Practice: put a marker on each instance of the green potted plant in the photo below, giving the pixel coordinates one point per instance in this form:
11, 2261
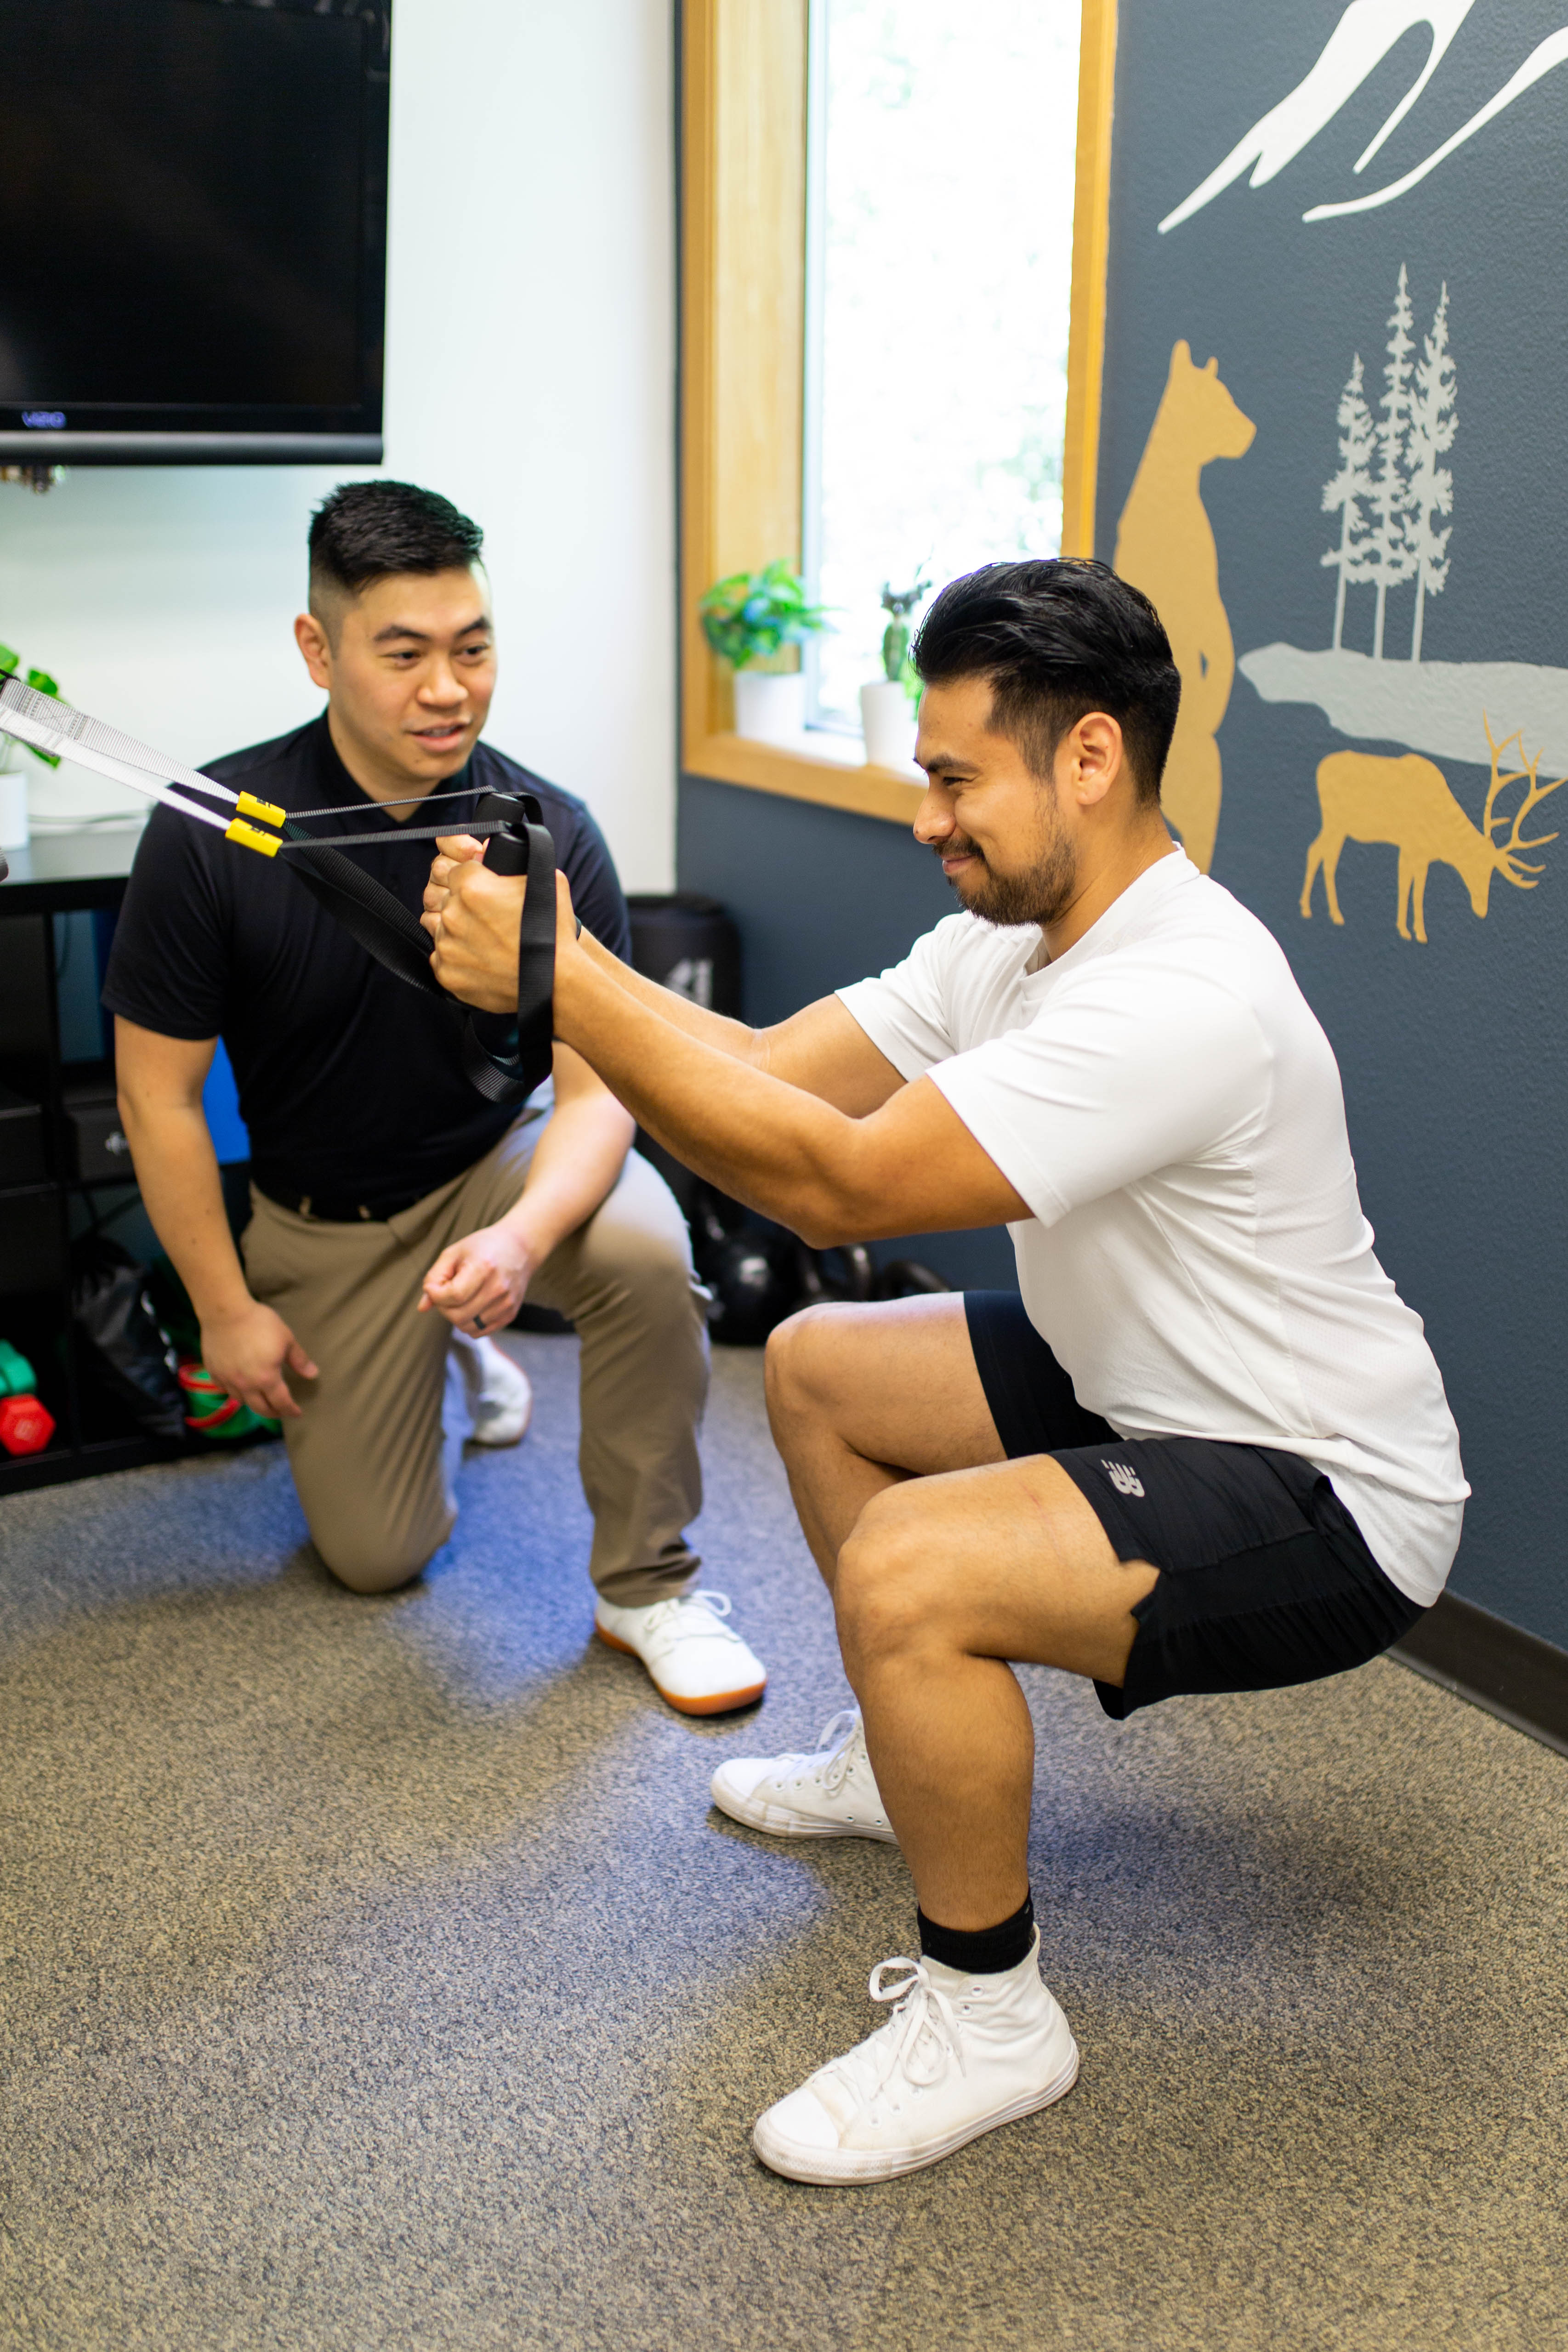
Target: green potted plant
747, 619
888, 703
13, 778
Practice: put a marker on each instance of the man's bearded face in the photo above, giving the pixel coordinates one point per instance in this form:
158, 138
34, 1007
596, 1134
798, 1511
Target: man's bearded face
1038, 892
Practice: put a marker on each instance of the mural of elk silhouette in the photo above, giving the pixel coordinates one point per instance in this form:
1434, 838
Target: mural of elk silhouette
1407, 802
1164, 545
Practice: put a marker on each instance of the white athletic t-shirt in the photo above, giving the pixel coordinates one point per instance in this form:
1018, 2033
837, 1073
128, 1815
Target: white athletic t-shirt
1196, 1260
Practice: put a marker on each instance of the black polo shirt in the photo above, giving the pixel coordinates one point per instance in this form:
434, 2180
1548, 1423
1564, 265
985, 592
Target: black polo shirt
349, 1079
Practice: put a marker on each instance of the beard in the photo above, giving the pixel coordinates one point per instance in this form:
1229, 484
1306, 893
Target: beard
1041, 894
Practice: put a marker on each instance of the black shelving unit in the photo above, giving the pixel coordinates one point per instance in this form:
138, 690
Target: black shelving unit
63, 874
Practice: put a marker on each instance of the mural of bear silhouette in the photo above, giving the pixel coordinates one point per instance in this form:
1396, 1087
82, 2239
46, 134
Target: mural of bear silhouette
1164, 545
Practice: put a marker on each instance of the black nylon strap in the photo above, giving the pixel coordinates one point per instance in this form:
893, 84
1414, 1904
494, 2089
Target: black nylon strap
382, 926
469, 825
536, 956
403, 799
524, 846
372, 917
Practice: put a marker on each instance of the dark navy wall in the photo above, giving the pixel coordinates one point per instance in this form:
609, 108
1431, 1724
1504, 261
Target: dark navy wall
822, 897
1451, 1052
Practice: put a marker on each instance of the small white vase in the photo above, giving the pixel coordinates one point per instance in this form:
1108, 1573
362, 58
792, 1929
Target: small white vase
889, 724
13, 809
770, 707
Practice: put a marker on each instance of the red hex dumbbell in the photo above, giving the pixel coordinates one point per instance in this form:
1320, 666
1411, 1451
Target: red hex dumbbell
25, 1425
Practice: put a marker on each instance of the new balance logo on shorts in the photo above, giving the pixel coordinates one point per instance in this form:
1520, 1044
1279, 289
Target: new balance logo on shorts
1124, 1477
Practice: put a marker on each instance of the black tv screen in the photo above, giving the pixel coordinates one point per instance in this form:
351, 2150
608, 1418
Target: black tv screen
193, 230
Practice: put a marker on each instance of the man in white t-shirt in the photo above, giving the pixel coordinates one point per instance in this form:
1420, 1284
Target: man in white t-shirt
1207, 1449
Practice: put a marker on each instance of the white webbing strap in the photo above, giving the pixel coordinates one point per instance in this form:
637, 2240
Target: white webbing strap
75, 735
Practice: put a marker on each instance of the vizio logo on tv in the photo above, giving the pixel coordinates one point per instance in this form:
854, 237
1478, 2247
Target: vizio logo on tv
46, 420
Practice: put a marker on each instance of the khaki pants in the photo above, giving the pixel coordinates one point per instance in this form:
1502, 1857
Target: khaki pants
366, 1450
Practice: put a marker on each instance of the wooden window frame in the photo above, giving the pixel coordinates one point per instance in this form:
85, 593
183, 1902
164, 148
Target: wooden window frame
743, 127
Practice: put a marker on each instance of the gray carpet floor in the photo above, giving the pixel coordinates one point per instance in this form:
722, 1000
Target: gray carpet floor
375, 1974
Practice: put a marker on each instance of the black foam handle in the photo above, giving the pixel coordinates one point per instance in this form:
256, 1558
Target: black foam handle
524, 846
505, 852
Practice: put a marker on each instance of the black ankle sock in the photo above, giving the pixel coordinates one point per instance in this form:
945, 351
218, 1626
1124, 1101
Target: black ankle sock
980, 1952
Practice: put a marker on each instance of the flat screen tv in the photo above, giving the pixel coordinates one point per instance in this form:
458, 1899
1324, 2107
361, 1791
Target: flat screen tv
193, 230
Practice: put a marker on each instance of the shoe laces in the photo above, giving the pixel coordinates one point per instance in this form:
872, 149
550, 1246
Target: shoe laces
916, 2044
698, 1616
843, 1742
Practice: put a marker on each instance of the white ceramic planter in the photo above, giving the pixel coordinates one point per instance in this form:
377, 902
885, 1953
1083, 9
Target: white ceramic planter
13, 809
770, 708
887, 721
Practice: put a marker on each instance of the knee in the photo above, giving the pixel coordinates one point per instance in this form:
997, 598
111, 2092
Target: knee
889, 1592
796, 1369
647, 1266
369, 1567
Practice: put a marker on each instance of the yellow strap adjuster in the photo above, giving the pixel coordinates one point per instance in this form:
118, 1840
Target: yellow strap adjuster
248, 838
249, 805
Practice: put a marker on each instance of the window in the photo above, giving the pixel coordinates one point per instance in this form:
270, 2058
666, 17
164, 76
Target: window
743, 318
941, 138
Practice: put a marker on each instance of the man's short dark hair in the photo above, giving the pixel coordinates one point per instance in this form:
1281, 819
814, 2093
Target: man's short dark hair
367, 530
1058, 637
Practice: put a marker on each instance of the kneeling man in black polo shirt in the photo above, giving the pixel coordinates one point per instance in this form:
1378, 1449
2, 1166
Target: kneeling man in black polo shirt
1206, 1449
399, 1218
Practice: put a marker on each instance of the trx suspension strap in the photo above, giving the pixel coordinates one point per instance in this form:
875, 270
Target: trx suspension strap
518, 843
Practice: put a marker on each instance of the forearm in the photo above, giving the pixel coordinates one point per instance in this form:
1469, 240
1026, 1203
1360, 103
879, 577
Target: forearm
769, 1144
177, 1171
714, 1029
473, 917
575, 1166
818, 1129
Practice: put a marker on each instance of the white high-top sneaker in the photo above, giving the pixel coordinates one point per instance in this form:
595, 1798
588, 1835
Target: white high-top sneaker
498, 1393
958, 2055
831, 1794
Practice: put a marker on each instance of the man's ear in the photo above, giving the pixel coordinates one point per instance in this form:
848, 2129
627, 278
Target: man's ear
316, 647
1096, 756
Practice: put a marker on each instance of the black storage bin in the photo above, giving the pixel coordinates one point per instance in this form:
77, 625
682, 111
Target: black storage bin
21, 1139
689, 944
97, 1145
31, 1256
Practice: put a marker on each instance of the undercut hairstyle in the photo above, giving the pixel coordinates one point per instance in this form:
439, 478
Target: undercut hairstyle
1057, 638
364, 531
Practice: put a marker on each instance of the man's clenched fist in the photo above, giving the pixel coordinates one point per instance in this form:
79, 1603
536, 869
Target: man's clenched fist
473, 916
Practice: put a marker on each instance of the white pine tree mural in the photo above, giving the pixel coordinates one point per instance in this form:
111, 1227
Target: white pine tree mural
1391, 554
1349, 494
1434, 420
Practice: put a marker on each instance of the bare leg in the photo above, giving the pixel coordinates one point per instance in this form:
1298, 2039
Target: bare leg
861, 1398
945, 1560
940, 1583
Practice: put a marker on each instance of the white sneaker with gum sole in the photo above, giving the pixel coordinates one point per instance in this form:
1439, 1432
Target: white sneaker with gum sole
696, 1662
958, 2055
498, 1393
830, 1794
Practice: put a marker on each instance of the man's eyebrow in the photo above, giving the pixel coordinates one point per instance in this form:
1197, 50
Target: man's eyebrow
947, 764
422, 636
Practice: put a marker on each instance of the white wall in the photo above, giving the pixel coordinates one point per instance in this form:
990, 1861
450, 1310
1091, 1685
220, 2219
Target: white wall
530, 377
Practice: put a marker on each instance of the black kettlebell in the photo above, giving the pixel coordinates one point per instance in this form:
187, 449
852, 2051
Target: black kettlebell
847, 1272
751, 1274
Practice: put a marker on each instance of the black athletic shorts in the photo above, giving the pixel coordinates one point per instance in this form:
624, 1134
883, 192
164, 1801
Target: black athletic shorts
1265, 1577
